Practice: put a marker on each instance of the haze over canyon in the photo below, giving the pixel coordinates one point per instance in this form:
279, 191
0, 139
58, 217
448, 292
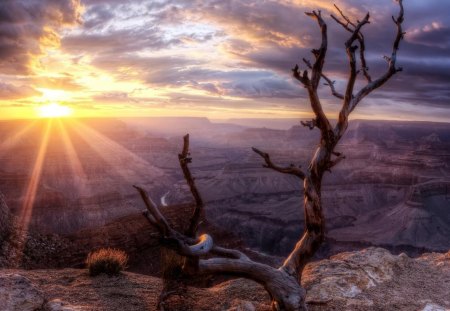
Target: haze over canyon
391, 190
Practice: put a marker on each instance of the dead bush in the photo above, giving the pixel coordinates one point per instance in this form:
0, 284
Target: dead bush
106, 260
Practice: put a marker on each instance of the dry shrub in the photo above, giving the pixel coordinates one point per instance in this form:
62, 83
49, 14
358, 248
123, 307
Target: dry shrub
106, 260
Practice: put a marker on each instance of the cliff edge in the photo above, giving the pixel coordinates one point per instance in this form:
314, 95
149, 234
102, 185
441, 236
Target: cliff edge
370, 279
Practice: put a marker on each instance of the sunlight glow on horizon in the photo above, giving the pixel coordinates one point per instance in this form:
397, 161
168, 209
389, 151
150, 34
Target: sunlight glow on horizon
54, 110
212, 63
114, 155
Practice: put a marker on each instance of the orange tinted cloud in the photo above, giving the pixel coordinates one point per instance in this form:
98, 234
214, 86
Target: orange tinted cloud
168, 57
30, 26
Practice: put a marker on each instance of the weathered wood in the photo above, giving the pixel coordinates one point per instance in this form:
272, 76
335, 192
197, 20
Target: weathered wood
184, 160
283, 284
353, 101
296, 171
285, 290
327, 81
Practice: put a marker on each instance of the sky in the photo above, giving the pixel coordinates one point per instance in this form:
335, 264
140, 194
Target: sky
212, 58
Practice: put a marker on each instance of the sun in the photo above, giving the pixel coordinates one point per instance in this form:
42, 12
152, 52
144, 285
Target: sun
54, 110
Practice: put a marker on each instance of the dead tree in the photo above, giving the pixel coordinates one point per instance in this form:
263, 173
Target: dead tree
284, 283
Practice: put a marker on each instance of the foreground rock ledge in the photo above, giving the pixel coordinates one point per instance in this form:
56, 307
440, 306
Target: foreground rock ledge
371, 279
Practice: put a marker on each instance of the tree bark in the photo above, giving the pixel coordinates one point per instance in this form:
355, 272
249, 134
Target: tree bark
284, 284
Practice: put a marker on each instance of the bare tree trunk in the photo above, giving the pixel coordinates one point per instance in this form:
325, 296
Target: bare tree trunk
175, 266
172, 276
284, 284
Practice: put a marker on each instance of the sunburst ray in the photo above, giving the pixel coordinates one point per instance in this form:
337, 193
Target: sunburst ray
14, 140
114, 154
31, 190
78, 173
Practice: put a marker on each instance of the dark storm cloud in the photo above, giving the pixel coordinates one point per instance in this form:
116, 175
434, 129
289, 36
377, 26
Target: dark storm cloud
26, 26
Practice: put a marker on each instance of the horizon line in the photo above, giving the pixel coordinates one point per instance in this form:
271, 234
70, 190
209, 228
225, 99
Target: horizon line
214, 119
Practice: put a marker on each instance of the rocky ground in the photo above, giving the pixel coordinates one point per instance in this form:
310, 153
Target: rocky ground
371, 279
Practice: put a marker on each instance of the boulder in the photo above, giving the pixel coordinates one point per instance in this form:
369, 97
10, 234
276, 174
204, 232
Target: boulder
346, 275
17, 293
438, 260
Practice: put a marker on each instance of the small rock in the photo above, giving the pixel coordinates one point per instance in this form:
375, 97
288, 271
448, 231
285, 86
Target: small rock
433, 307
58, 305
242, 305
17, 293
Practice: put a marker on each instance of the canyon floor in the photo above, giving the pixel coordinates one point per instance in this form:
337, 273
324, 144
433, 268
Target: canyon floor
392, 190
370, 279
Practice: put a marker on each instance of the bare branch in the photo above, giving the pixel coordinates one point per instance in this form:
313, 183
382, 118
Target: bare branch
392, 69
339, 158
203, 246
350, 49
150, 218
322, 121
328, 81
362, 49
360, 38
186, 246
346, 26
284, 288
349, 22
154, 215
320, 53
184, 160
349, 106
310, 124
232, 253
286, 170
303, 78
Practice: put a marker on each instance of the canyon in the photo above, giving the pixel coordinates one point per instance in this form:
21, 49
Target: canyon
392, 189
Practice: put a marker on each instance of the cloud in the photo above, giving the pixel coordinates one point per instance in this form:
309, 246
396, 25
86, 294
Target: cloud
11, 92
112, 97
263, 85
66, 82
28, 27
218, 50
269, 22
432, 35
97, 16
118, 42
